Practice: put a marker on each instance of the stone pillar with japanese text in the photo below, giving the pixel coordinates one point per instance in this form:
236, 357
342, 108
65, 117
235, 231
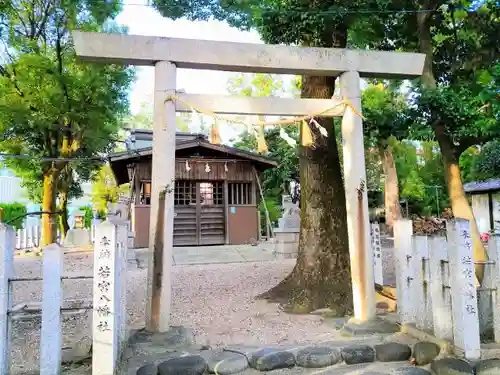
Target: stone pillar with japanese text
376, 243
463, 289
109, 295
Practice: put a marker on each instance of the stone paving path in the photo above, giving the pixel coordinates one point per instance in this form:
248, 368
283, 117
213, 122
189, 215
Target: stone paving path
192, 255
174, 353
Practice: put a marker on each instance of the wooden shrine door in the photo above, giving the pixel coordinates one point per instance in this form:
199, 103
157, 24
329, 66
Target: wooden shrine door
199, 213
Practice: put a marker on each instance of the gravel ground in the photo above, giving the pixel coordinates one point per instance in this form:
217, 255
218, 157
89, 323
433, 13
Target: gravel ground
221, 309
216, 300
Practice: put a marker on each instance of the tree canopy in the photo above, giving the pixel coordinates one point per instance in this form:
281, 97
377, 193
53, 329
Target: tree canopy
104, 190
53, 107
143, 119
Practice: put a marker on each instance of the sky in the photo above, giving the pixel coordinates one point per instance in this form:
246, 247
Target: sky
144, 20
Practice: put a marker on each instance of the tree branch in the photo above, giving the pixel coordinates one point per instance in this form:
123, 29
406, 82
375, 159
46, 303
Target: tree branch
31, 20
21, 21
467, 142
45, 17
64, 87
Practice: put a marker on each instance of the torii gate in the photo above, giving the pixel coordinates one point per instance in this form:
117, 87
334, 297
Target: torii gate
168, 54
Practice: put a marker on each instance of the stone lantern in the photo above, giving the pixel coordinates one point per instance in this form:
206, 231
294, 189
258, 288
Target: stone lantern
78, 220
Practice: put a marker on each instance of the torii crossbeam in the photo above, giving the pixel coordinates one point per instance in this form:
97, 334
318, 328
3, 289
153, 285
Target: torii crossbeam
167, 54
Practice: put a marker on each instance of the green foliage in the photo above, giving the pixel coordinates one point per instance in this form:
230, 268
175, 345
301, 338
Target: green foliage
274, 180
459, 94
467, 161
319, 23
484, 163
14, 214
421, 176
51, 104
89, 215
373, 172
31, 179
143, 119
456, 101
384, 110
260, 85
274, 209
104, 189
256, 85
459, 107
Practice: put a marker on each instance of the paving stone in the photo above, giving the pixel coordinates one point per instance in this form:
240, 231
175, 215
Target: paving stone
268, 359
392, 352
377, 325
246, 350
190, 365
488, 367
410, 371
451, 366
227, 363
149, 369
358, 354
425, 352
175, 337
317, 356
79, 351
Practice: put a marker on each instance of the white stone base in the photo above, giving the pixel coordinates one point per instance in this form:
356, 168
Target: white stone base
131, 256
286, 243
77, 238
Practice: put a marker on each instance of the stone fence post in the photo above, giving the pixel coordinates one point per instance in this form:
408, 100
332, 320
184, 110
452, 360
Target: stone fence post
7, 242
421, 282
403, 239
439, 288
494, 283
52, 298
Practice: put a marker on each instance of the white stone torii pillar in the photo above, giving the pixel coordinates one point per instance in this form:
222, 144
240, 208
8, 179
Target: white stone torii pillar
168, 53
358, 221
158, 301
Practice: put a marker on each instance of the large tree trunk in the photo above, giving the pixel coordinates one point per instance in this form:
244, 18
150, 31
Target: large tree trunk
322, 274
459, 203
63, 208
65, 181
49, 218
391, 186
321, 277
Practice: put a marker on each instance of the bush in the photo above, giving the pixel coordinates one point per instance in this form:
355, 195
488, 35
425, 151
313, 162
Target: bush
274, 209
14, 214
87, 219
